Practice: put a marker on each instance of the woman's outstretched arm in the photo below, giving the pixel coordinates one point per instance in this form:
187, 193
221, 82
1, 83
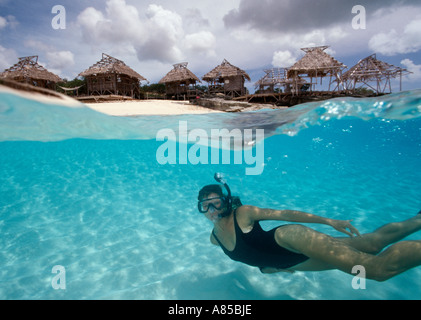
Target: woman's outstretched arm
257, 214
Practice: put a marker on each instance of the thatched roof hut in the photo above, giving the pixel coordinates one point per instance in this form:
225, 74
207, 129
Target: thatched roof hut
180, 82
180, 73
112, 76
27, 70
369, 70
228, 79
315, 64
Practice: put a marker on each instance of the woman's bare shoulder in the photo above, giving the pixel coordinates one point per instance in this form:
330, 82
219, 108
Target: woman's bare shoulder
246, 217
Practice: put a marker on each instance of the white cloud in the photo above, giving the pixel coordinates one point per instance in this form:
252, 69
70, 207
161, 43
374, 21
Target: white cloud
157, 34
8, 57
9, 21
163, 36
164, 20
118, 24
60, 59
394, 42
89, 19
283, 59
3, 22
37, 45
414, 68
203, 41
57, 61
194, 19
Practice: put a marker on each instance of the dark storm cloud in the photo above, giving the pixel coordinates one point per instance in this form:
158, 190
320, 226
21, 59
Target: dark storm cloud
299, 15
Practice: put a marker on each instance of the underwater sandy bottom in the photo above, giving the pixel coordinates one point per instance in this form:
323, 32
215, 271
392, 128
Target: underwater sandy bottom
125, 227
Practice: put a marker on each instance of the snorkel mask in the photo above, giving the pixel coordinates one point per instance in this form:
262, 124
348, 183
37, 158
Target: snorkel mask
217, 203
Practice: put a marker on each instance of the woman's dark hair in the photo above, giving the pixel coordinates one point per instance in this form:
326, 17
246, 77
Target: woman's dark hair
207, 190
236, 202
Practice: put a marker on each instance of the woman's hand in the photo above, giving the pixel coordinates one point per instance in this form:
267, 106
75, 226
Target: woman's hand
343, 225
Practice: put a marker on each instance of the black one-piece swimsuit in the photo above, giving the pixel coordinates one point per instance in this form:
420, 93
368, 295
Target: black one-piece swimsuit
258, 248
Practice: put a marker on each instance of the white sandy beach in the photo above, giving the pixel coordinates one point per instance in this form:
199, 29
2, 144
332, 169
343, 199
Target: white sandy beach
148, 107
118, 108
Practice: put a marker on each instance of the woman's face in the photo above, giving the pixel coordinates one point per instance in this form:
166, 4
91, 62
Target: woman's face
214, 205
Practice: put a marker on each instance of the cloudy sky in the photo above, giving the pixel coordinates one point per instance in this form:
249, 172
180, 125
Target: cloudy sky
150, 36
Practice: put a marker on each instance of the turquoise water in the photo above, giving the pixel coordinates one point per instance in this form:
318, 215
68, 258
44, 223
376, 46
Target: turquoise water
85, 191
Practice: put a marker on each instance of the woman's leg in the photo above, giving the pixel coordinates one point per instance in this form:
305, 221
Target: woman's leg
376, 241
326, 252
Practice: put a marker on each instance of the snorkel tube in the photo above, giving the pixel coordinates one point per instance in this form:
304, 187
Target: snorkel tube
218, 177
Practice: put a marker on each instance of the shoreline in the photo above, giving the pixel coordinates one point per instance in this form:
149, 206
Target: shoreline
113, 108
127, 108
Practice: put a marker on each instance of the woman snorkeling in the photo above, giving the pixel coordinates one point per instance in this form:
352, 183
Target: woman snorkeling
294, 247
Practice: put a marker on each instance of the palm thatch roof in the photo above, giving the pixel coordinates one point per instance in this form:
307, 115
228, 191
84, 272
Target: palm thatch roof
370, 68
181, 74
316, 63
111, 65
27, 69
225, 70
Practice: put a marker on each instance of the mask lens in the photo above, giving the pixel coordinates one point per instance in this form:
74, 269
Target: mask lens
216, 203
